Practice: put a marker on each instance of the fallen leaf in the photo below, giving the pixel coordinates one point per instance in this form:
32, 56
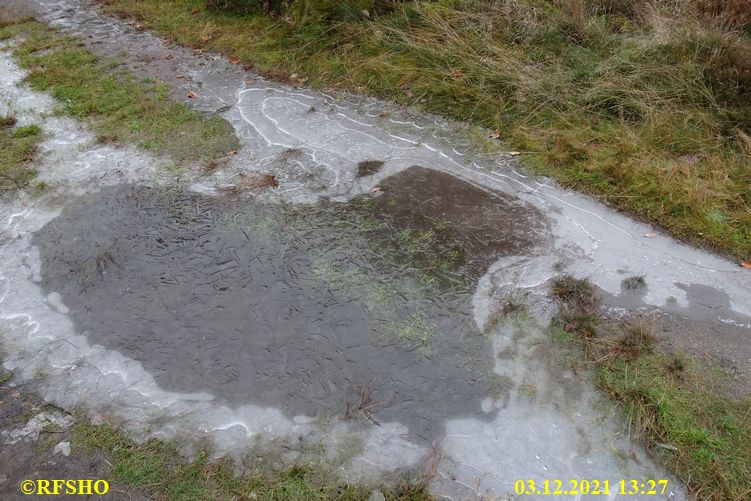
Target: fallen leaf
250, 82
191, 95
514, 153
195, 12
234, 60
375, 189
745, 265
329, 90
293, 76
456, 74
232, 152
496, 134
649, 235
206, 38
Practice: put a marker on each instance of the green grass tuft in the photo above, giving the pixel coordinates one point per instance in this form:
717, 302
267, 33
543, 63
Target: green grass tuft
18, 146
27, 131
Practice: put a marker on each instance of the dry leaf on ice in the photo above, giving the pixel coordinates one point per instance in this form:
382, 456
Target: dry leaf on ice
191, 95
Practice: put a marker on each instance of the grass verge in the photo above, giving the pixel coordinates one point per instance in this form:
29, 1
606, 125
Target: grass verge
676, 404
154, 468
645, 105
18, 146
120, 107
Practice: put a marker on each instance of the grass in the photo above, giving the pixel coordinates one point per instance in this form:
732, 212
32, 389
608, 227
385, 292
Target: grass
414, 331
18, 146
643, 104
120, 107
677, 405
154, 468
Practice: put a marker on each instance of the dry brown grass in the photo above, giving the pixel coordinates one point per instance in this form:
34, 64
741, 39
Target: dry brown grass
732, 14
251, 182
364, 404
14, 11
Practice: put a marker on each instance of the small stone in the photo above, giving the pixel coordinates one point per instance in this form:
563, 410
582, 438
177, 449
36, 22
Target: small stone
62, 448
377, 496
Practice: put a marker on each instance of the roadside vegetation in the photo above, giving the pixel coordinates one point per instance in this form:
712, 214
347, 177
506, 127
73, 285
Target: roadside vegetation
18, 145
154, 468
119, 107
678, 406
645, 104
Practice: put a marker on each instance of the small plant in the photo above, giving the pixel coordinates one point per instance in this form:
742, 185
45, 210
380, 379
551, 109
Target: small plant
579, 312
635, 282
7, 122
26, 131
511, 304
573, 291
364, 404
368, 167
636, 339
18, 146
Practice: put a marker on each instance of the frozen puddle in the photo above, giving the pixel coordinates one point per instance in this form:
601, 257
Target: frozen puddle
322, 320
285, 328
